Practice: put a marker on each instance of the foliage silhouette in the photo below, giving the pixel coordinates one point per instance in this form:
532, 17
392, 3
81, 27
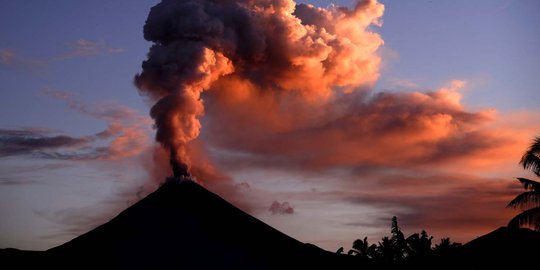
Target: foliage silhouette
385, 250
398, 241
528, 201
445, 246
398, 249
363, 249
419, 244
531, 159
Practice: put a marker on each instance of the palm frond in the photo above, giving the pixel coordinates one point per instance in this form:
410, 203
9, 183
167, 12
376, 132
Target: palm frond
529, 184
529, 217
360, 245
525, 200
531, 158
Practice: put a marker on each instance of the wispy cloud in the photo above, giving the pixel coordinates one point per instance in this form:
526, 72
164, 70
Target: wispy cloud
126, 135
84, 47
12, 181
14, 60
107, 111
15, 142
401, 84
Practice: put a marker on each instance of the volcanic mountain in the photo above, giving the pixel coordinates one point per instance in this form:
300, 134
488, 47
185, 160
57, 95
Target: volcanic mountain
182, 226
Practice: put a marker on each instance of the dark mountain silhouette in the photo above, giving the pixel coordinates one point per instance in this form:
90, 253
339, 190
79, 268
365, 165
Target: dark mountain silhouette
181, 226
504, 248
513, 248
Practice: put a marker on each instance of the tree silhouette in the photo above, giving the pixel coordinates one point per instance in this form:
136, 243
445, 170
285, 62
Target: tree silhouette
531, 158
398, 241
419, 244
445, 245
415, 250
528, 201
385, 250
363, 249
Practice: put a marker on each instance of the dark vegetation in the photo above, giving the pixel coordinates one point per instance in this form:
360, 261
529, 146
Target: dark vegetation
397, 250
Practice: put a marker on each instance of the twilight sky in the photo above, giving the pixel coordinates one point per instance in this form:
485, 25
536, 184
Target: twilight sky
424, 116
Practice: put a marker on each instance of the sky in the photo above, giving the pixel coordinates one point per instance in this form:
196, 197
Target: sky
422, 113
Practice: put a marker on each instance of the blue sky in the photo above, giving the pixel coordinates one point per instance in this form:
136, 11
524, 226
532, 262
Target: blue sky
493, 44
92, 50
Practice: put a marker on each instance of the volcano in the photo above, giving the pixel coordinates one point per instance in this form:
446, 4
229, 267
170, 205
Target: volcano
181, 226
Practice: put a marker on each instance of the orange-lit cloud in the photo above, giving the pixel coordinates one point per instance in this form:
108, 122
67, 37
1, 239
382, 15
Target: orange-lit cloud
423, 156
126, 134
386, 128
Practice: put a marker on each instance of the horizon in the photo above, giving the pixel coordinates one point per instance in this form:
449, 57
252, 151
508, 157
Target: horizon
430, 127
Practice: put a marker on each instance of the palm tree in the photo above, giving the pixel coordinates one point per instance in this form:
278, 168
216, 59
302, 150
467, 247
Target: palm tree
419, 244
528, 201
531, 158
386, 250
446, 245
363, 249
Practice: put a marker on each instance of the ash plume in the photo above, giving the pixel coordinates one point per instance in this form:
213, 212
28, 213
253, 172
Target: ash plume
251, 47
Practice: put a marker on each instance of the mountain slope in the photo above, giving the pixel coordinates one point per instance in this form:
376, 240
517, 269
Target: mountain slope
504, 247
184, 226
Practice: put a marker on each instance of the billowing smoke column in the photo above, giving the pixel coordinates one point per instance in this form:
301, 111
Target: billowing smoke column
272, 46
